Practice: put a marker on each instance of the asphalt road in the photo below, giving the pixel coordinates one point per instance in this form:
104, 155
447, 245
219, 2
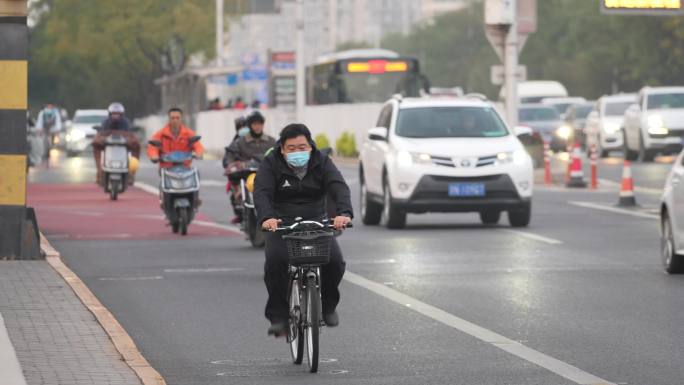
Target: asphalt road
577, 297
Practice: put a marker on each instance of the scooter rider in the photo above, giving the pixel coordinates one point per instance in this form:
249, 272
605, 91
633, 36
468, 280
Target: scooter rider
116, 123
294, 181
174, 137
251, 145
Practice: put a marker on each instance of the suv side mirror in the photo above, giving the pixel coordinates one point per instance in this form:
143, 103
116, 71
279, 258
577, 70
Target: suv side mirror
378, 133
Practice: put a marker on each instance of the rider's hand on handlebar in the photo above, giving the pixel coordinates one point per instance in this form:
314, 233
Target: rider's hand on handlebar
340, 222
271, 224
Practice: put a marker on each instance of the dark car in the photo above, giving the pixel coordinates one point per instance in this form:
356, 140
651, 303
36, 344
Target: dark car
546, 121
576, 117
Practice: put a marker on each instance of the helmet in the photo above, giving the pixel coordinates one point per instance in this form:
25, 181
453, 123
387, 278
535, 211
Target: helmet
240, 122
116, 108
133, 164
255, 117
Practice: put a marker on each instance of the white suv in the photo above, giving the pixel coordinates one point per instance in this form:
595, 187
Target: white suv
443, 155
672, 219
655, 124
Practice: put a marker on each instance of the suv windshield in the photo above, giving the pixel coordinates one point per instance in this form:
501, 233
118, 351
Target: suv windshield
581, 112
538, 114
450, 122
617, 108
89, 119
665, 101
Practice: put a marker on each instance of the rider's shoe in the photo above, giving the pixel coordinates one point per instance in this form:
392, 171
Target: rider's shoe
331, 319
278, 329
235, 220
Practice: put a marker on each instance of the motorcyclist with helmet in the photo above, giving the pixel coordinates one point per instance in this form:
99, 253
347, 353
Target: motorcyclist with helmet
253, 145
116, 123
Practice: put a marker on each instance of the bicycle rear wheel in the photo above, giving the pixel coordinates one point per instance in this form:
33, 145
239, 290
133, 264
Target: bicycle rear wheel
313, 323
295, 336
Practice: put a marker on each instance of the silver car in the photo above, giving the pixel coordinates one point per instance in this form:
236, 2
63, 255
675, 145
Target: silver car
672, 219
80, 132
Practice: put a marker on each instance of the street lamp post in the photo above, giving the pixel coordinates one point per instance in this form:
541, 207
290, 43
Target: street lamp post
219, 33
300, 69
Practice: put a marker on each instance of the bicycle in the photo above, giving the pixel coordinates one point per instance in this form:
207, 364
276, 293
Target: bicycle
308, 248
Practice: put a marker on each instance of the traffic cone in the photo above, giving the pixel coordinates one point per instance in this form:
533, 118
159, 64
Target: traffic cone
627, 198
548, 180
576, 172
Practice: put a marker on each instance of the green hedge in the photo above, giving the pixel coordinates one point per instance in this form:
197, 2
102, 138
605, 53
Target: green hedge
346, 145
322, 141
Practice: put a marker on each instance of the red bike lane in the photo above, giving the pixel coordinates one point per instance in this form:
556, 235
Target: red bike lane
83, 211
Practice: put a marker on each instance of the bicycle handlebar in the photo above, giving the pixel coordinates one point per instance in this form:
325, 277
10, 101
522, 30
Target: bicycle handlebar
297, 224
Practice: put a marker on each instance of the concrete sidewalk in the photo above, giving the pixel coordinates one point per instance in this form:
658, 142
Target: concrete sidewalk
57, 340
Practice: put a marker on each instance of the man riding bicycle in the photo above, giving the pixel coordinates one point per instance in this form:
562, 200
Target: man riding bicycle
293, 182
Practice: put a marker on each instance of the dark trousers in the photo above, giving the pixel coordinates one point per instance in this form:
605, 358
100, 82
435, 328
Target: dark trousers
276, 278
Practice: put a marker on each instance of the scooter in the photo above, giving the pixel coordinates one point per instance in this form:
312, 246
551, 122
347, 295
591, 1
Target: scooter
115, 166
179, 188
245, 172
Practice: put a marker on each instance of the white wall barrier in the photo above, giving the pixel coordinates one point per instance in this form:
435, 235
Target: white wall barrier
217, 128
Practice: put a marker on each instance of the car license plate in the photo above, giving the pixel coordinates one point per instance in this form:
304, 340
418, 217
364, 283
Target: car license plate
467, 190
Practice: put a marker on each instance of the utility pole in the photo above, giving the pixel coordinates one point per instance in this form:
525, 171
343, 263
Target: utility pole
300, 68
219, 33
511, 70
18, 231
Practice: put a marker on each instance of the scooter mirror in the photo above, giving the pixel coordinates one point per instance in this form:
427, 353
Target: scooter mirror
97, 128
155, 143
194, 139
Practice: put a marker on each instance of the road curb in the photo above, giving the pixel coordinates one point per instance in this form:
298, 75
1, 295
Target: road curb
122, 341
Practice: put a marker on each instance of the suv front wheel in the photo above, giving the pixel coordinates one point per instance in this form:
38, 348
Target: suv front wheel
392, 216
520, 217
371, 212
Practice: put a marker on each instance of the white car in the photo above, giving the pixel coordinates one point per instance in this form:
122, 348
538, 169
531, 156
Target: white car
444, 155
655, 123
80, 133
562, 104
672, 219
533, 91
604, 124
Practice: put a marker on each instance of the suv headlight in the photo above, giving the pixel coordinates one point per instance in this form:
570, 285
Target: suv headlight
564, 132
611, 128
405, 158
656, 125
517, 157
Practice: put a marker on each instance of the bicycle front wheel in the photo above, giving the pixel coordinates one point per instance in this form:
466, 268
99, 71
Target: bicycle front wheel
295, 336
313, 323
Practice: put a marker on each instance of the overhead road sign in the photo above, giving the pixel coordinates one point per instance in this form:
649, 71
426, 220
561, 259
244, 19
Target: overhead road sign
642, 7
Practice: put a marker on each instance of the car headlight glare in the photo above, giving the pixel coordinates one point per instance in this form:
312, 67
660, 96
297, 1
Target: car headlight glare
611, 128
76, 135
656, 125
564, 132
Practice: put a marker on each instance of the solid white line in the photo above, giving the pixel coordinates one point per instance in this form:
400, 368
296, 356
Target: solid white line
232, 229
148, 188
204, 270
534, 237
10, 370
515, 348
616, 210
152, 278
155, 191
213, 183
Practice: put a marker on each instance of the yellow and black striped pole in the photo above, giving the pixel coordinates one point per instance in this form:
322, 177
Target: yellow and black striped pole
13, 104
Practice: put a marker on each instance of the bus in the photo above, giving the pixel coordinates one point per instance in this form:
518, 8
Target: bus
363, 76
